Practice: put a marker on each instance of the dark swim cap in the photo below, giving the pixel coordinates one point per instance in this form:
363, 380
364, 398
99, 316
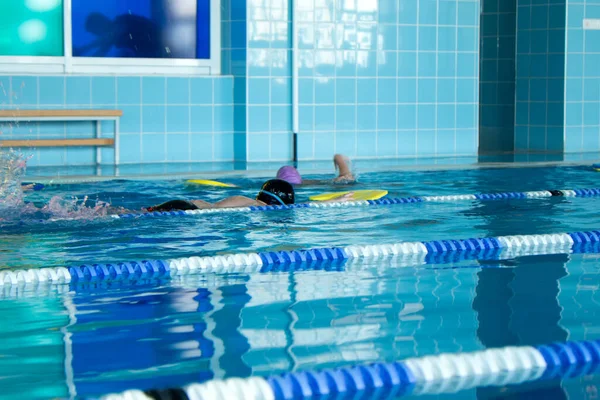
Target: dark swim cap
276, 192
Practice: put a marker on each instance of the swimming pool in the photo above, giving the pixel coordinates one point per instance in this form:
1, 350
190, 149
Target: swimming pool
98, 338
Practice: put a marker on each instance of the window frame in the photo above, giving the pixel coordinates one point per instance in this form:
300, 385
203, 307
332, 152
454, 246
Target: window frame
68, 64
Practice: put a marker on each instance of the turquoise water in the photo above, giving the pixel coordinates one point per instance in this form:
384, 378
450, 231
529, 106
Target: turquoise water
89, 340
212, 326
109, 240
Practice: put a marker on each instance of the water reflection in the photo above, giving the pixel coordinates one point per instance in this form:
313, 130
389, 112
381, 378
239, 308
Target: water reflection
519, 306
30, 336
195, 328
147, 338
332, 318
227, 324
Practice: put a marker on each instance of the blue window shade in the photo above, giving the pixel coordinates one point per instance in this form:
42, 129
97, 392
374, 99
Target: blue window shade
203, 30
141, 28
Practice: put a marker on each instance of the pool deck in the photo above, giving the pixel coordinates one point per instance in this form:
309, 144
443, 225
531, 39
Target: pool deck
162, 171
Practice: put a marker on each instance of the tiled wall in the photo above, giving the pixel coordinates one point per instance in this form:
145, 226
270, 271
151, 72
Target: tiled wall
497, 76
540, 75
257, 52
165, 119
233, 57
388, 78
269, 80
380, 78
582, 89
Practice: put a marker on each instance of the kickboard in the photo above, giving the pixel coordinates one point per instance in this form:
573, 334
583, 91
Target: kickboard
358, 195
207, 182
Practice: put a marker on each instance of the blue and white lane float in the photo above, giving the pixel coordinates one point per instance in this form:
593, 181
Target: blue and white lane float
445, 373
317, 258
381, 202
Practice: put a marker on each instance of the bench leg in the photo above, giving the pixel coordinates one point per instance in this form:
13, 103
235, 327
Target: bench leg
117, 155
98, 136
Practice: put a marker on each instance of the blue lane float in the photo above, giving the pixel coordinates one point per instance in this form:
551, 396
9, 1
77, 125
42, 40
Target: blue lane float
386, 201
415, 253
445, 373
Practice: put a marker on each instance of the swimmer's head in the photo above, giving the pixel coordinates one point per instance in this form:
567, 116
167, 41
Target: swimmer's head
98, 24
289, 174
276, 192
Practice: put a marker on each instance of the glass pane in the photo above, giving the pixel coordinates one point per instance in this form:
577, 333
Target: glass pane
203, 29
141, 28
31, 28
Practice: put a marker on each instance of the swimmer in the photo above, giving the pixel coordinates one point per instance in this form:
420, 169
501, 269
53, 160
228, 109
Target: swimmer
341, 162
273, 192
31, 186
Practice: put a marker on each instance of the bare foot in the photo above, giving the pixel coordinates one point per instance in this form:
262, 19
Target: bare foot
342, 163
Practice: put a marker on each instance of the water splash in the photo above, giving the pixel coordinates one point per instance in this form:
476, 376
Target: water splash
73, 208
15, 210
12, 169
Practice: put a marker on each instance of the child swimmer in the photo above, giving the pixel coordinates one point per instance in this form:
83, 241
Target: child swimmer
341, 162
272, 193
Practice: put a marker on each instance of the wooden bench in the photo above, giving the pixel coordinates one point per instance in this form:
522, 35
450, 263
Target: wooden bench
66, 115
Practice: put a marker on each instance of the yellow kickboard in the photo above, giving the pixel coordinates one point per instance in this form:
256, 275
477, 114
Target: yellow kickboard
356, 195
207, 182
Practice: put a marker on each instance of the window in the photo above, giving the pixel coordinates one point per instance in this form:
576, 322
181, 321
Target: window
110, 36
141, 29
31, 28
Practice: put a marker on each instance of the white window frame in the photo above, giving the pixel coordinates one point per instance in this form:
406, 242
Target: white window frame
117, 66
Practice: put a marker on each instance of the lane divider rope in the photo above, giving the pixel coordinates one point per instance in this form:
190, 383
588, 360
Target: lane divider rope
435, 251
381, 202
445, 373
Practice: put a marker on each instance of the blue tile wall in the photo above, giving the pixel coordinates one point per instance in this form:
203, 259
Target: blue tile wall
385, 78
497, 76
268, 81
165, 119
388, 78
582, 75
233, 60
540, 77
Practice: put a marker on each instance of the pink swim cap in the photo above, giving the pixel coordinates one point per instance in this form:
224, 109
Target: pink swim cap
289, 174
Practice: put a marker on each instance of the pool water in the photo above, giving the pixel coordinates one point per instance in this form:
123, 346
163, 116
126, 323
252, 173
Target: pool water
202, 327
35, 240
87, 340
